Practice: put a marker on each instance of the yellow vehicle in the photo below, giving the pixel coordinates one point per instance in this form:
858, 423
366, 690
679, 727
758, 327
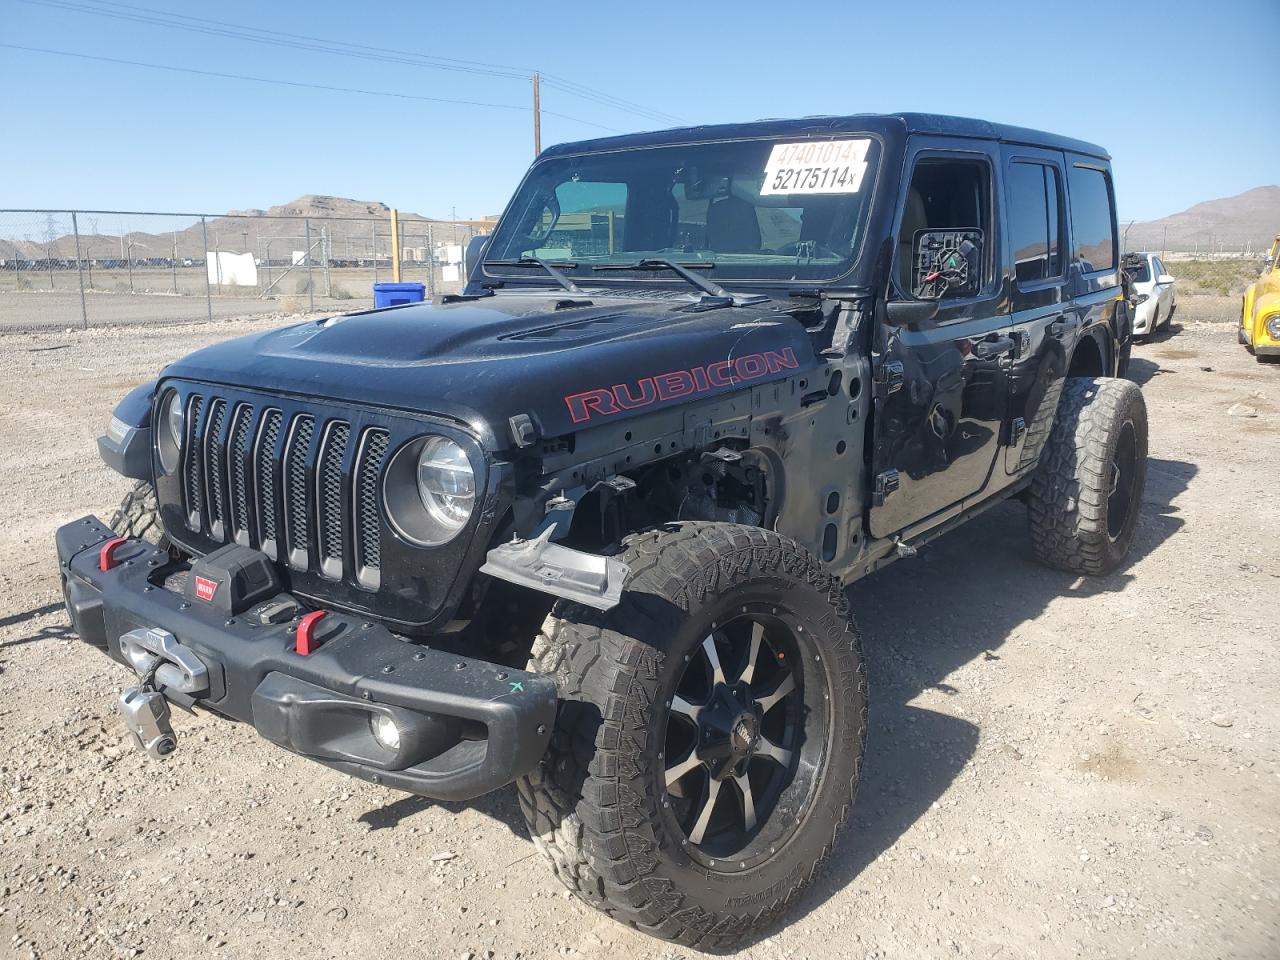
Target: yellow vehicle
1260, 313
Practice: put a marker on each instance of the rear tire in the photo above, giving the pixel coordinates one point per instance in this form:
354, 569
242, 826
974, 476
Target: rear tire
637, 805
1086, 493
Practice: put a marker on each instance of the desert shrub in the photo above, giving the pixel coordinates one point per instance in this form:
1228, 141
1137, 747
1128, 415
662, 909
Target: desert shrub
1218, 277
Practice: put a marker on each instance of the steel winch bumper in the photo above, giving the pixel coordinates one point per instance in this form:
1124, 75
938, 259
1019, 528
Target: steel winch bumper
461, 726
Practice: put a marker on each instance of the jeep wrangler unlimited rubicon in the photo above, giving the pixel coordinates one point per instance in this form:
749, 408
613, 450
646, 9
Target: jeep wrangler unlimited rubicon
585, 526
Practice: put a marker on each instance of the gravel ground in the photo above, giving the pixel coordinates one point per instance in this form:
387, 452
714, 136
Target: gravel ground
1057, 767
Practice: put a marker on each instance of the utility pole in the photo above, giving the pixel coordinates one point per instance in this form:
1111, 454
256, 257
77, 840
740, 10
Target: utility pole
537, 116
93, 229
75, 228
50, 243
395, 245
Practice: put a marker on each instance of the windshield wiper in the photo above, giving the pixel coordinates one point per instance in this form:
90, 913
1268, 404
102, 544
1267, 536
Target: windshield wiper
685, 272
681, 269
551, 266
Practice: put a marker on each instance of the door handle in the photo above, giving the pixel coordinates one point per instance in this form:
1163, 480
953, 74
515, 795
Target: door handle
994, 347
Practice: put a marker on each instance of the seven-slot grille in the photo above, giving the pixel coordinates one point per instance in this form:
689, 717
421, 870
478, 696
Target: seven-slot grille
302, 488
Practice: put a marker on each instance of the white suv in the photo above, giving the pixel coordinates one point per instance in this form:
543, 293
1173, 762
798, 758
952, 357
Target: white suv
1151, 293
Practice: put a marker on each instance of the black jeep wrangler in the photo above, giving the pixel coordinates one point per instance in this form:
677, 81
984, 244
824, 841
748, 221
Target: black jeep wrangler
586, 525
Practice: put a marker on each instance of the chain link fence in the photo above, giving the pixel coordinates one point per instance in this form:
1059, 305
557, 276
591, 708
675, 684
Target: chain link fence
1202, 245
83, 268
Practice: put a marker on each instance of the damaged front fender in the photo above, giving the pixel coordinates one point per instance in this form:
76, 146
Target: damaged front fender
550, 568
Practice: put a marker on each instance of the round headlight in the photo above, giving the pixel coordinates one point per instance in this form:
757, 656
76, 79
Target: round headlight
169, 431
173, 418
1273, 327
446, 484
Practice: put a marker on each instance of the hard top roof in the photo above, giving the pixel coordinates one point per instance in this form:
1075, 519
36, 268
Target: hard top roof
927, 123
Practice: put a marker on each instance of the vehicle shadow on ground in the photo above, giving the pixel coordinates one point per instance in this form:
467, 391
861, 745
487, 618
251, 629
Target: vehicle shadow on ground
501, 805
60, 630
1142, 371
1165, 333
921, 620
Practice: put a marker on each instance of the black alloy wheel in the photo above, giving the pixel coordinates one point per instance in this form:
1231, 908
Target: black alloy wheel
740, 735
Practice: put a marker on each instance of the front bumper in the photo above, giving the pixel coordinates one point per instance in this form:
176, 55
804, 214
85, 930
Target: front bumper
1267, 349
466, 726
1143, 315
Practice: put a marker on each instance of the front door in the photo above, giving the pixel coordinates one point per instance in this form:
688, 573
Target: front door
940, 385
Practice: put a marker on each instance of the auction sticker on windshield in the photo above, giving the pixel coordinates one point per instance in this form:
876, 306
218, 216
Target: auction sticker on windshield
816, 166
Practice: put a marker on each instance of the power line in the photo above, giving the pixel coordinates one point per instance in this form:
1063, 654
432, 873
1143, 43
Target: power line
298, 83
162, 18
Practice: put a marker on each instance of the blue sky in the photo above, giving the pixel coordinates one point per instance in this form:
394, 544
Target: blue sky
1170, 89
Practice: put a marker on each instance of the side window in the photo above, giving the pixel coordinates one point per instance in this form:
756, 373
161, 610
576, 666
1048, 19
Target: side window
1091, 221
1034, 221
586, 218
942, 243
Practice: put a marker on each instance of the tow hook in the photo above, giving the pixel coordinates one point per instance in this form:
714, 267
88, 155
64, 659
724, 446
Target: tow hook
146, 714
162, 663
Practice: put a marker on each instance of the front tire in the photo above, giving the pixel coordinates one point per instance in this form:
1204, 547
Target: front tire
710, 734
138, 516
1086, 493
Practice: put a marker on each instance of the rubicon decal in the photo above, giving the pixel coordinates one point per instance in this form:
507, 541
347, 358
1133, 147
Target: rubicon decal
678, 383
205, 589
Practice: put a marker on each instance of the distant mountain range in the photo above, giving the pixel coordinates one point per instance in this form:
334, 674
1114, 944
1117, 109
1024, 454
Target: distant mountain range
1247, 220
274, 231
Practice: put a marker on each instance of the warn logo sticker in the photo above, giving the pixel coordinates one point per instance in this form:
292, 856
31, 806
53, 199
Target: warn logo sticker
205, 589
678, 383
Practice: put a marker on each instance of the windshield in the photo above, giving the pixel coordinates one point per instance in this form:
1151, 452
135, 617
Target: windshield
772, 210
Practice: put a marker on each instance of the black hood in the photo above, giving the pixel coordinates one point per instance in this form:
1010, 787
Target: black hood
484, 361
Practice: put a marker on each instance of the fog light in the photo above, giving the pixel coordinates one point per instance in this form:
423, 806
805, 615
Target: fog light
385, 731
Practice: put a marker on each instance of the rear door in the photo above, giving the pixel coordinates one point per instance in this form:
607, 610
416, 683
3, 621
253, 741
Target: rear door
1092, 269
940, 386
1041, 322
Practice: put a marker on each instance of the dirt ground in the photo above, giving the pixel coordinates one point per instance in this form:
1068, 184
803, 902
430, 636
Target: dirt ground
1057, 767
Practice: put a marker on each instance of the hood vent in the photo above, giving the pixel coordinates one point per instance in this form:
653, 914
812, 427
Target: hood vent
577, 329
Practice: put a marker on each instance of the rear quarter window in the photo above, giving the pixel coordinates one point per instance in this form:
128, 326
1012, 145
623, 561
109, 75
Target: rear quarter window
1092, 223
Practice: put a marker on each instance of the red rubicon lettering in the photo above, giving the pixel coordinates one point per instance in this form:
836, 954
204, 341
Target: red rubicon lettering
786, 360
720, 373
622, 394
582, 404
678, 383
750, 366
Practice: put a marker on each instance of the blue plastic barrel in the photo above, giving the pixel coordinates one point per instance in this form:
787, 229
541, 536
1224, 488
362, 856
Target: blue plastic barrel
394, 294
